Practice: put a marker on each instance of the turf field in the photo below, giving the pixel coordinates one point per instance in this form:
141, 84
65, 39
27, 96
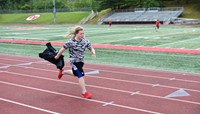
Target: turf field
185, 37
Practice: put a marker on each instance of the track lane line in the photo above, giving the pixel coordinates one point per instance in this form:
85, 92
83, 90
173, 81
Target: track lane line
120, 80
123, 73
29, 106
164, 71
112, 89
76, 97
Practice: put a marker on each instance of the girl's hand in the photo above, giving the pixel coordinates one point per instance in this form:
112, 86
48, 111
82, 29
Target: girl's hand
56, 57
94, 55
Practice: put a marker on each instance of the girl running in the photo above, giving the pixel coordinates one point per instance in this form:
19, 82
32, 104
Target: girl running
77, 45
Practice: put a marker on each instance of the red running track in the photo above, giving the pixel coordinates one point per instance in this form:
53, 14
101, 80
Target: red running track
30, 85
108, 46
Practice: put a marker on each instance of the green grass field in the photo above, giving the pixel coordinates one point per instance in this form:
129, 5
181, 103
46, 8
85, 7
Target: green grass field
168, 36
187, 37
45, 18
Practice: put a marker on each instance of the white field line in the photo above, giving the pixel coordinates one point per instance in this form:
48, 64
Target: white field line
100, 87
29, 106
23, 38
166, 44
76, 97
51, 32
33, 31
33, 37
153, 36
158, 54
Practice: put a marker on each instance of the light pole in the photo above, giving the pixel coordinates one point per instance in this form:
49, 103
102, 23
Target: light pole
54, 11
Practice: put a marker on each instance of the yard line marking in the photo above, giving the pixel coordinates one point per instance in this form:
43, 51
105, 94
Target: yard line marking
76, 97
112, 89
177, 42
29, 106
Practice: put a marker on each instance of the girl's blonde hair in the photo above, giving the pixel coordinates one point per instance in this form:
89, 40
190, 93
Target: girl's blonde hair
73, 31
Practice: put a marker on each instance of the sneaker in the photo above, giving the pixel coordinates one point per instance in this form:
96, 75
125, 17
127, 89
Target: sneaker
60, 74
87, 95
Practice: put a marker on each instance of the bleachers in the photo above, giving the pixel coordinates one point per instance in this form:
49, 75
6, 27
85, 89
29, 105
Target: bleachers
142, 15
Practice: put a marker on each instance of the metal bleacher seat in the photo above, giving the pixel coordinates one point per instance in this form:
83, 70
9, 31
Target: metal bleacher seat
144, 15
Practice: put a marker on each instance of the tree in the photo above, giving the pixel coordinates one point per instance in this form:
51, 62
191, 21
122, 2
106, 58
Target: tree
152, 3
187, 1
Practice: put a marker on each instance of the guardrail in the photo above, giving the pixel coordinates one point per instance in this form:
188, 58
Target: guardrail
91, 16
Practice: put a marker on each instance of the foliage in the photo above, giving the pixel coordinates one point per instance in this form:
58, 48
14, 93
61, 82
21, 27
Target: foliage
74, 4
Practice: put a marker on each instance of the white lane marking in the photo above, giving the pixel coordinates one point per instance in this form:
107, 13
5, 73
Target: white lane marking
29, 106
39, 61
45, 63
112, 89
21, 64
4, 67
134, 93
29, 63
155, 85
120, 80
92, 72
108, 103
172, 79
150, 76
143, 75
72, 96
179, 93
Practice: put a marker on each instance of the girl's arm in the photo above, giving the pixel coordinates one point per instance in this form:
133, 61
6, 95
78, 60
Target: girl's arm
59, 53
93, 52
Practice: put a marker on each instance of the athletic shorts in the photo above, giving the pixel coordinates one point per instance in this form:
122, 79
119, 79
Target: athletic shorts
77, 69
157, 26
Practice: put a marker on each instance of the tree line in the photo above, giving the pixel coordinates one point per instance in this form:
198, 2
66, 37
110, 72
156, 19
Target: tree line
72, 4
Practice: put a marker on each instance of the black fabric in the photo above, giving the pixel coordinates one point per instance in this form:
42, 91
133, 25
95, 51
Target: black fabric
49, 53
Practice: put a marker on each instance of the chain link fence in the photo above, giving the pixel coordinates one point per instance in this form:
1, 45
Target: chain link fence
7, 11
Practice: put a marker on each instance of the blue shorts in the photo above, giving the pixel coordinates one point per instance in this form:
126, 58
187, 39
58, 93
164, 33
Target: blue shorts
77, 69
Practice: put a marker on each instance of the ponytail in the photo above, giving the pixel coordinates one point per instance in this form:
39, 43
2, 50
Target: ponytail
73, 31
